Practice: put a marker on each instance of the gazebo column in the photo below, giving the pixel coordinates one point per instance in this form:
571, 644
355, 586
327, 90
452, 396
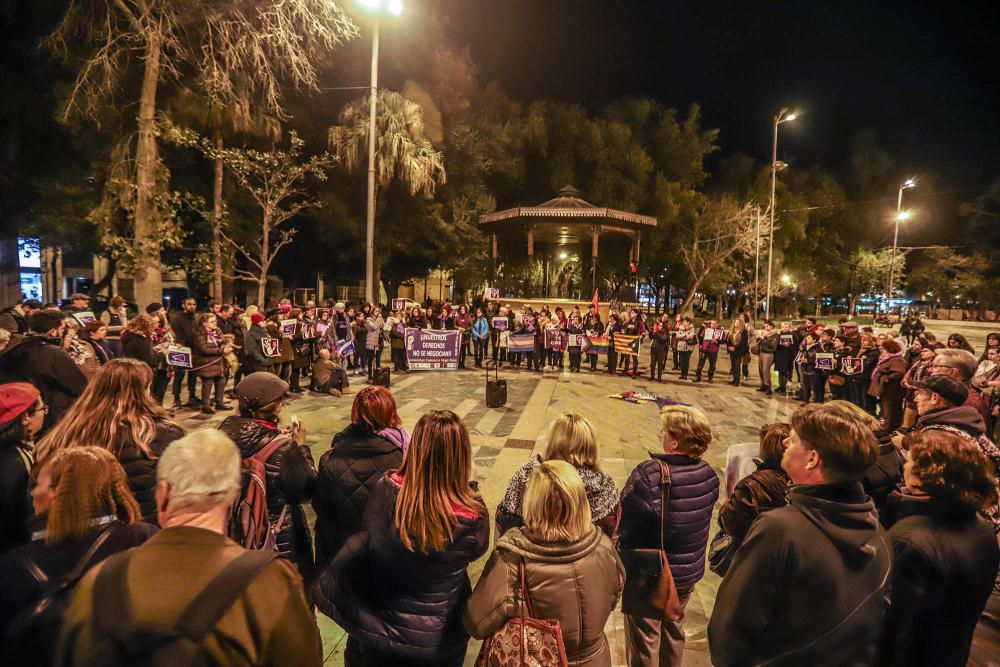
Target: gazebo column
495, 253
531, 259
593, 261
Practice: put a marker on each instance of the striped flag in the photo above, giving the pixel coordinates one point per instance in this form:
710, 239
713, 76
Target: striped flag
522, 342
598, 345
628, 345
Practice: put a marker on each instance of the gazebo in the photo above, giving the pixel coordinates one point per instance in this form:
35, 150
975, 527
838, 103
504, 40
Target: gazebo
567, 220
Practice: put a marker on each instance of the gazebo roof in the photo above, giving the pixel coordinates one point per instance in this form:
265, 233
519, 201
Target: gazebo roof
567, 209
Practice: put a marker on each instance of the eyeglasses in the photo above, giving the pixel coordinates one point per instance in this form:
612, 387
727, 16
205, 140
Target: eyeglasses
43, 408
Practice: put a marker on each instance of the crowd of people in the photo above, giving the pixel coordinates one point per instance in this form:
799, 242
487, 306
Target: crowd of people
124, 539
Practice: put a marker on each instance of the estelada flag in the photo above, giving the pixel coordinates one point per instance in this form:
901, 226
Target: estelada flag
628, 345
597, 345
522, 342
595, 301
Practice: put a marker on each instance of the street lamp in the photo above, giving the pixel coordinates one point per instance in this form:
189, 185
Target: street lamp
783, 116
901, 216
378, 8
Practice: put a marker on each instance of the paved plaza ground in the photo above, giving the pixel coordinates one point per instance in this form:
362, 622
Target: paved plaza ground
503, 438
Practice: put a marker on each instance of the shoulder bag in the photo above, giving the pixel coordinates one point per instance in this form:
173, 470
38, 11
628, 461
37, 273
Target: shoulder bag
524, 641
650, 591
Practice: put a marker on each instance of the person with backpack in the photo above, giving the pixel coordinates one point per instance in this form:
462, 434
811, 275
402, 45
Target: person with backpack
286, 464
190, 595
85, 514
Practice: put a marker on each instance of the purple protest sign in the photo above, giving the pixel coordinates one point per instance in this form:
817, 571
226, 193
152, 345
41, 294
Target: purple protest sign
428, 349
555, 339
179, 356
500, 323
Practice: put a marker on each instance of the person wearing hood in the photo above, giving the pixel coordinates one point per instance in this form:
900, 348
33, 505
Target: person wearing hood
40, 359
809, 584
15, 318
571, 572
291, 472
945, 555
371, 445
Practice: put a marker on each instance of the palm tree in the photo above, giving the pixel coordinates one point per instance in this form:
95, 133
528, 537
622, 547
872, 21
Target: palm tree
402, 150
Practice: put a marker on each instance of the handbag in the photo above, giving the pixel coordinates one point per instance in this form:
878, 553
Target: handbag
720, 552
650, 591
524, 641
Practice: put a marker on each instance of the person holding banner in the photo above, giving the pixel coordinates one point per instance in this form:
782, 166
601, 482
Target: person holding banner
576, 335
463, 322
807, 367
685, 340
710, 340
207, 362
256, 356
500, 327
480, 336
737, 345
396, 326
767, 345
658, 348
784, 355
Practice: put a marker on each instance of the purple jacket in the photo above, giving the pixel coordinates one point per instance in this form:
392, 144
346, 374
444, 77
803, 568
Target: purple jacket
694, 489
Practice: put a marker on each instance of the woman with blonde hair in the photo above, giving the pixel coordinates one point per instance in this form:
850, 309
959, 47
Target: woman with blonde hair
572, 573
399, 588
572, 439
86, 513
116, 412
681, 527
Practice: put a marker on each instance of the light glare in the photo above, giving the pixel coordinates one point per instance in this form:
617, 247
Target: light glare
903, 216
791, 116
370, 4
395, 7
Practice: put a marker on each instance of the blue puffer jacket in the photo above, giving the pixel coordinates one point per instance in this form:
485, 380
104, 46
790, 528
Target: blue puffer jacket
694, 488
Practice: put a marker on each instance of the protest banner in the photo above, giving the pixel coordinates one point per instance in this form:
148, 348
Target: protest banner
824, 361
428, 349
491, 293
321, 328
522, 342
84, 318
398, 304
576, 340
287, 328
500, 323
713, 334
555, 339
179, 356
852, 365
346, 348
271, 347
786, 340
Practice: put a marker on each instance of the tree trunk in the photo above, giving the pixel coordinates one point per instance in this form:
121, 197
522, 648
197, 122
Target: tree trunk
148, 278
10, 269
217, 221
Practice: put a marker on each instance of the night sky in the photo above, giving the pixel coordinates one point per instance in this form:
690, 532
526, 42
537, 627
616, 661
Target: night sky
925, 77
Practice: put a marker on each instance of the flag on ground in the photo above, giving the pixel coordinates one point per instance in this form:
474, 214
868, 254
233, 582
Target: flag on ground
598, 345
522, 342
628, 345
346, 348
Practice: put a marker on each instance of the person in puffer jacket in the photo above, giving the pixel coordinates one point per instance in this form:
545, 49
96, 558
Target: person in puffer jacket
693, 489
291, 472
372, 445
400, 587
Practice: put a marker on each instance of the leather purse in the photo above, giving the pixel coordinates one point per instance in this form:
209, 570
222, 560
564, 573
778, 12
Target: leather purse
650, 591
524, 641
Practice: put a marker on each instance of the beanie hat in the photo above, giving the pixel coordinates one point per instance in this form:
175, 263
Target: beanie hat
15, 399
256, 318
285, 307
259, 389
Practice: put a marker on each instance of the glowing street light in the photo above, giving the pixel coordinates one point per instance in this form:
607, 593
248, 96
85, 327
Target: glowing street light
783, 116
901, 216
378, 8
563, 255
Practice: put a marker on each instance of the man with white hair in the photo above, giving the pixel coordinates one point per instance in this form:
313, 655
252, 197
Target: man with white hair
190, 590
961, 365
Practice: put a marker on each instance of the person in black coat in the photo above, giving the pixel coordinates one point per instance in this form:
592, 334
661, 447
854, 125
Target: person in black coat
291, 472
945, 555
81, 497
659, 345
39, 358
359, 456
137, 342
399, 588
21, 415
693, 488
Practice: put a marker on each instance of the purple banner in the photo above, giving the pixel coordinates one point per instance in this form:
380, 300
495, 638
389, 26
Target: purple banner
555, 340
429, 349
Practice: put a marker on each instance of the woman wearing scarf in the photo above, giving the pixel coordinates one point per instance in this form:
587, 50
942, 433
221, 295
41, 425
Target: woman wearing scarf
887, 386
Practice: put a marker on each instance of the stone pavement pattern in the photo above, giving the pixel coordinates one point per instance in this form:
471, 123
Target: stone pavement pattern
503, 439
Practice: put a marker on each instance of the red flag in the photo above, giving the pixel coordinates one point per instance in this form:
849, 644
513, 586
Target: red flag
595, 301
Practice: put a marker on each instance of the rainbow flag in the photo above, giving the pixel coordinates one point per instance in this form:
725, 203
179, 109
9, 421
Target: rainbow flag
598, 345
522, 342
628, 345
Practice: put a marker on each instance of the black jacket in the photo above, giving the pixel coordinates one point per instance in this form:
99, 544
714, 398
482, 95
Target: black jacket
15, 499
183, 325
694, 488
139, 347
19, 589
809, 585
348, 472
41, 361
762, 490
141, 470
945, 559
403, 602
885, 476
291, 478
13, 321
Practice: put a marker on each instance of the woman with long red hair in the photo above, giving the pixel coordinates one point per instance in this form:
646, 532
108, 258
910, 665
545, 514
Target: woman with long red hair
399, 588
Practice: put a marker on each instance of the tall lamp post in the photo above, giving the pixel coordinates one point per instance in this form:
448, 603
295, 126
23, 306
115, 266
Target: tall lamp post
783, 116
901, 216
378, 8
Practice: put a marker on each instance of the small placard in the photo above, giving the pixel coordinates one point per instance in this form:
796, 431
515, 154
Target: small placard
491, 293
288, 328
500, 323
179, 356
398, 304
852, 365
786, 340
321, 328
824, 361
84, 317
271, 347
